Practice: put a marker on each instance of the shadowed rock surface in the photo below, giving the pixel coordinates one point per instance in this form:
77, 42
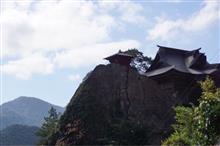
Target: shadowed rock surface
116, 105
111, 98
132, 103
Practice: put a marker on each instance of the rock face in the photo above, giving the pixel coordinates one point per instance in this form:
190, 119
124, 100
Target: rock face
117, 105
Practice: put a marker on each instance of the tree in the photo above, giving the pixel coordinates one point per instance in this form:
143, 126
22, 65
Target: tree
49, 127
140, 62
198, 125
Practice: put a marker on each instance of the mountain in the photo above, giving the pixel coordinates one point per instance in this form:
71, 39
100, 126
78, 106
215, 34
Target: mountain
26, 111
19, 135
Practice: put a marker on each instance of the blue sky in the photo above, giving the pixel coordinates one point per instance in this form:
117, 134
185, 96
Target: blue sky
49, 46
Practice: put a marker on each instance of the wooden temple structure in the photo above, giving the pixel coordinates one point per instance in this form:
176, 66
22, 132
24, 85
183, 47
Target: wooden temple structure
177, 71
120, 58
171, 62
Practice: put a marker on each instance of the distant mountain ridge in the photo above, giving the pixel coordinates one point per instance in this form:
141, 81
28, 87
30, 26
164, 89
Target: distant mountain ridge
25, 110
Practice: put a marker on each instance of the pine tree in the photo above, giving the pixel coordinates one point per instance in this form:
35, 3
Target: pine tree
140, 62
49, 127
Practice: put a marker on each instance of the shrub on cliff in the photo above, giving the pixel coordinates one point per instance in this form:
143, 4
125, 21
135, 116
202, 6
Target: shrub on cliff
198, 125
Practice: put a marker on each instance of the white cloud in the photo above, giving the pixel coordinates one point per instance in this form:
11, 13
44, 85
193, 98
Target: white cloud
205, 17
131, 13
166, 29
47, 26
86, 56
58, 25
40, 64
128, 11
73, 34
74, 77
24, 68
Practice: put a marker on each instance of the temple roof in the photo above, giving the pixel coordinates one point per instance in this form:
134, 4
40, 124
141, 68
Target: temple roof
119, 54
191, 62
120, 58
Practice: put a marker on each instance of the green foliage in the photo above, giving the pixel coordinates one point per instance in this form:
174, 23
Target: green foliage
133, 52
126, 132
177, 139
49, 127
136, 53
140, 62
198, 125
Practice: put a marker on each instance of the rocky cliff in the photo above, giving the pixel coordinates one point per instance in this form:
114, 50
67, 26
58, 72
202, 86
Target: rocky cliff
117, 105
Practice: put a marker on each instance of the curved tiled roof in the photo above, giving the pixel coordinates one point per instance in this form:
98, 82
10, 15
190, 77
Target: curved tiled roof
190, 62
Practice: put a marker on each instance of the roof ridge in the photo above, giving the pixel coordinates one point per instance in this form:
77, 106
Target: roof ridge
120, 53
177, 49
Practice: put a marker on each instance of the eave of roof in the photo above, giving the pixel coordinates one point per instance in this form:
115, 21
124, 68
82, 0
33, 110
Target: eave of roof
119, 54
207, 69
159, 71
190, 71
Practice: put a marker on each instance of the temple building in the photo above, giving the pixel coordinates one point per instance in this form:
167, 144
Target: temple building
120, 58
173, 64
176, 61
178, 72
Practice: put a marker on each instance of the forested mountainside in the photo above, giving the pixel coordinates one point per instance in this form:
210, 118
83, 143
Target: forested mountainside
19, 135
26, 111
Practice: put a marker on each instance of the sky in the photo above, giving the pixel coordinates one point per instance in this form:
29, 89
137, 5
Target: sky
48, 46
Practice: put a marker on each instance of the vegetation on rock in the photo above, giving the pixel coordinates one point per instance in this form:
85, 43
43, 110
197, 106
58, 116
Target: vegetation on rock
140, 62
127, 132
198, 125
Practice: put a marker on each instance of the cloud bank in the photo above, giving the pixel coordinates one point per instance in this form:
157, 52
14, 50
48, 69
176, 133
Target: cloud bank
166, 29
47, 35
42, 37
